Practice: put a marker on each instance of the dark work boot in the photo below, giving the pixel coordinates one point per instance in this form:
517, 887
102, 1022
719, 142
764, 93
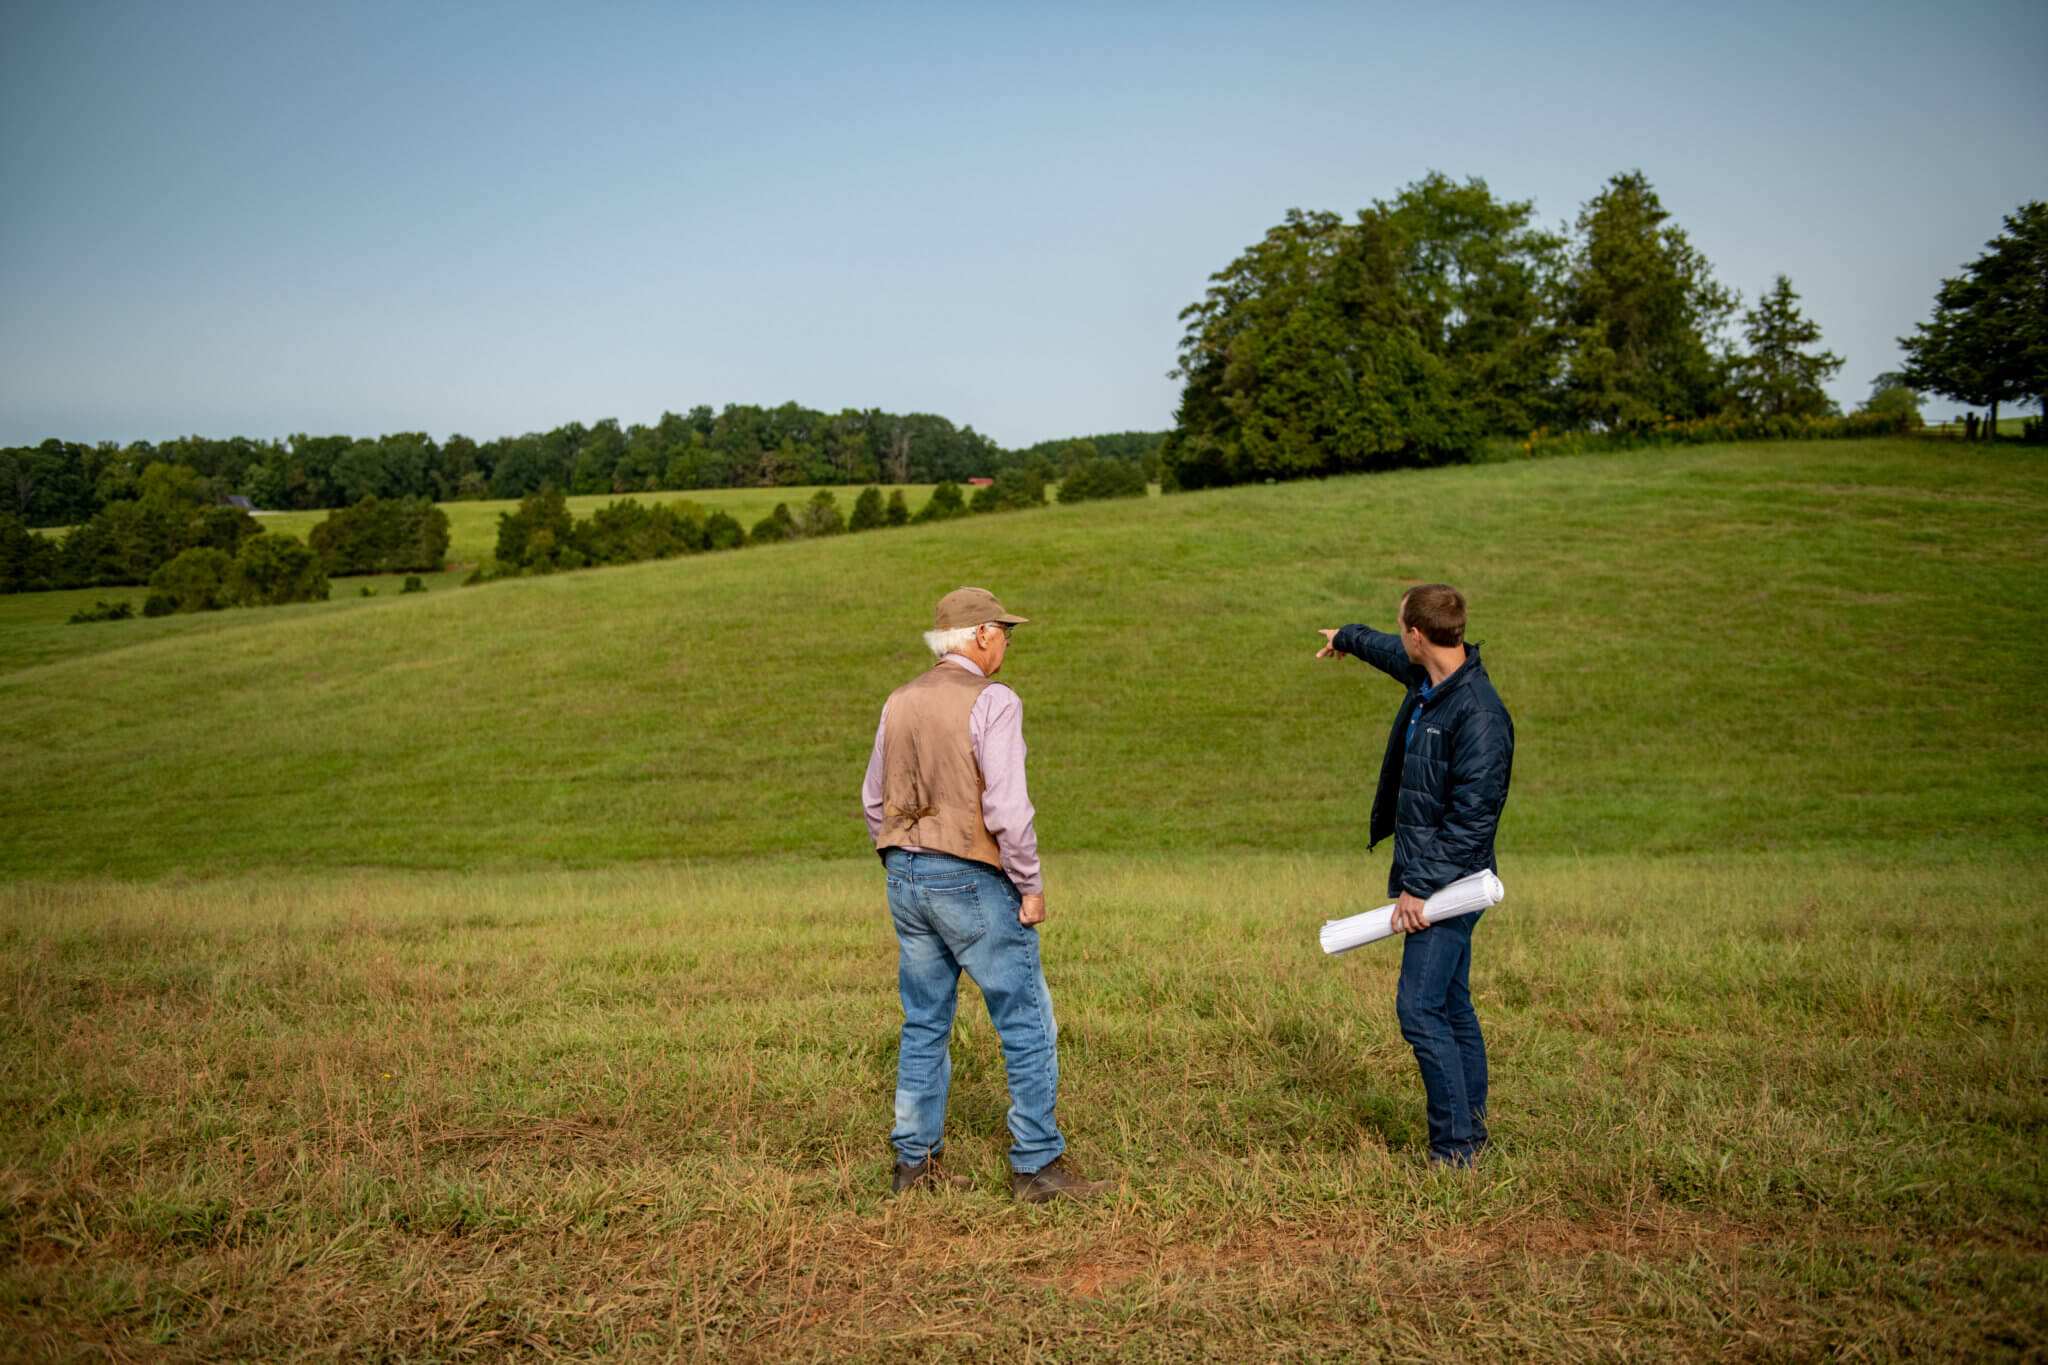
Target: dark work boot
928, 1174
1056, 1180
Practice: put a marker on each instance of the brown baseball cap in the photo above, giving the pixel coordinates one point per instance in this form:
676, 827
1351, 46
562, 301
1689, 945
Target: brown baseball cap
971, 607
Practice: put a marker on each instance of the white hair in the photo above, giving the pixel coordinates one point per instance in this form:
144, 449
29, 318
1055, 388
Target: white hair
944, 642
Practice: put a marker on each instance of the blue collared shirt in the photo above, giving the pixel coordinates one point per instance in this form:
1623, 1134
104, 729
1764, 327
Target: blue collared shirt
1421, 700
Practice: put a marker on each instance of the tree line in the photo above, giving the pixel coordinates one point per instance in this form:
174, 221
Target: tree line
190, 551
1424, 325
64, 483
542, 536
171, 538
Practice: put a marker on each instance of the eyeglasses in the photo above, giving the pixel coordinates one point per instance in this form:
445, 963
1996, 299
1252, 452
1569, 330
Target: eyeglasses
1004, 626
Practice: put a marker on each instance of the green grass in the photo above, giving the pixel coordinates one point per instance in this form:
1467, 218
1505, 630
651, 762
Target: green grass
1737, 649
35, 626
1743, 1106
502, 971
473, 526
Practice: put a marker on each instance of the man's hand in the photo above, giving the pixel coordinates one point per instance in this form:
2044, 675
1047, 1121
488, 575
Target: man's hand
1408, 914
1329, 649
1032, 911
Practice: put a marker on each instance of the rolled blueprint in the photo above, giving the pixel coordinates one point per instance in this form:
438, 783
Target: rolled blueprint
1461, 897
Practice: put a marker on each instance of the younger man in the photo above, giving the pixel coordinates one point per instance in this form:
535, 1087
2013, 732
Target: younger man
1442, 785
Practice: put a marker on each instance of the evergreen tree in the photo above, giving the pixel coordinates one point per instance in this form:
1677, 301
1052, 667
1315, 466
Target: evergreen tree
535, 535
1015, 487
777, 525
944, 504
820, 516
1987, 342
867, 510
1779, 377
722, 531
1640, 313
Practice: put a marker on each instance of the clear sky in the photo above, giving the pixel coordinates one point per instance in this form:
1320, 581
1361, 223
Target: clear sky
243, 218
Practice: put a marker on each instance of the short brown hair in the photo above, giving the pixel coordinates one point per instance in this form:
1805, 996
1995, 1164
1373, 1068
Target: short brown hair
1437, 610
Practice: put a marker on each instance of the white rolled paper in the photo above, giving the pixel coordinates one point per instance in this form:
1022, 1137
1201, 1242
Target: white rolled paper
1464, 896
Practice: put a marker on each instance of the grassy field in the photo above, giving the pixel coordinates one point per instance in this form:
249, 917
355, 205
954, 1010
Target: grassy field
500, 972
473, 526
1749, 649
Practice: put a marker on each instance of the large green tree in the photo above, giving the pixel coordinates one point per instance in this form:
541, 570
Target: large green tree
1307, 357
1641, 313
1987, 342
1781, 376
1478, 275
1401, 336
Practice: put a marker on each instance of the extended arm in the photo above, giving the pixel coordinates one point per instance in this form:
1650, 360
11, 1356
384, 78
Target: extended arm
1376, 647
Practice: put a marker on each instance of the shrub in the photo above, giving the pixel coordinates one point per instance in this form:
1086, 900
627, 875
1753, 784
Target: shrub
897, 513
273, 569
533, 538
199, 579
1897, 402
867, 510
1100, 478
945, 504
1015, 487
625, 532
382, 536
413, 584
820, 516
1716, 430
722, 531
777, 525
103, 611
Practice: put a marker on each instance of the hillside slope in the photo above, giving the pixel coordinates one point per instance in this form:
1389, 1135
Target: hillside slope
1745, 647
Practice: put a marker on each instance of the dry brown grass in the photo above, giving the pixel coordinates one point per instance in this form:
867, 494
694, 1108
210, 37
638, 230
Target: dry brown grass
638, 1115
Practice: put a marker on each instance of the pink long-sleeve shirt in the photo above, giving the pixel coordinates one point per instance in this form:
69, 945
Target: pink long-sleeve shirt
996, 729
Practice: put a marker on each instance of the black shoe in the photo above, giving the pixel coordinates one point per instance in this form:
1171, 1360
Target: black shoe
927, 1174
1055, 1181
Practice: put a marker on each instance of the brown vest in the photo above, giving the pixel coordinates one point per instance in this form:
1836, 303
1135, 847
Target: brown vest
931, 784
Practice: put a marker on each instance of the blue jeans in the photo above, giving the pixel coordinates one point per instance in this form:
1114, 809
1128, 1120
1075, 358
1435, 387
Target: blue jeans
952, 914
1434, 1004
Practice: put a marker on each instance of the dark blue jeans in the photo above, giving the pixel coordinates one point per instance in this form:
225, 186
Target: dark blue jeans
953, 915
1434, 1004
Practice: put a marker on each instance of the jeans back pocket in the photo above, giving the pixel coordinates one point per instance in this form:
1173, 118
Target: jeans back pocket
956, 911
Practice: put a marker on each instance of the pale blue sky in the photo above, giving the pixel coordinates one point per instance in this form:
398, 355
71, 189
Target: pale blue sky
261, 218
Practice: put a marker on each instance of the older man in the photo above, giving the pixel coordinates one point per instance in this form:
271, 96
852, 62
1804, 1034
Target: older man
949, 814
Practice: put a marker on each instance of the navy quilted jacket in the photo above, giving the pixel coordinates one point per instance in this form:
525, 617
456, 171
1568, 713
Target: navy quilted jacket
1440, 795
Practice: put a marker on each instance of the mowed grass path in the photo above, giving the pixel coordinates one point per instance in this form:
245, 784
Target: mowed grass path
501, 972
